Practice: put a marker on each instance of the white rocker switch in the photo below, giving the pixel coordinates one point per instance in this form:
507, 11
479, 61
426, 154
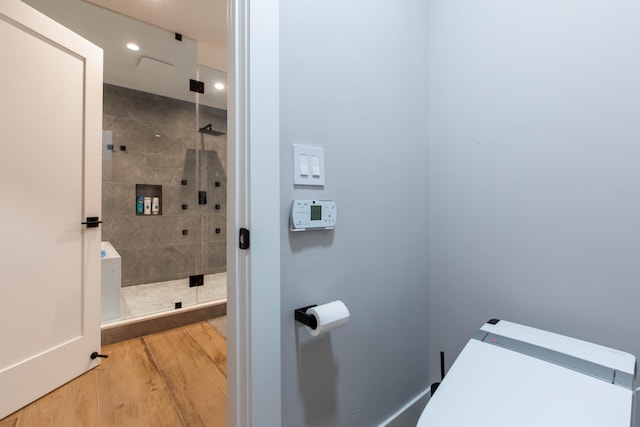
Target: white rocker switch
308, 165
304, 165
315, 165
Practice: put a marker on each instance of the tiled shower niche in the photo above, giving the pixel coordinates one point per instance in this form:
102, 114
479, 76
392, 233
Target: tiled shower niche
163, 149
152, 192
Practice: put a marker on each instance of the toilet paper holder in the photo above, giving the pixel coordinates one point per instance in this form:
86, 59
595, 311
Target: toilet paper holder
304, 318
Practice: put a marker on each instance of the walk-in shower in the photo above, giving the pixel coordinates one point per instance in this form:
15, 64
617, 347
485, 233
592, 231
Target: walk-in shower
174, 256
164, 165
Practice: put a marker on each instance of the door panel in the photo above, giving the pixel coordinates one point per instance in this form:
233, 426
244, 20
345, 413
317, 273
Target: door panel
49, 182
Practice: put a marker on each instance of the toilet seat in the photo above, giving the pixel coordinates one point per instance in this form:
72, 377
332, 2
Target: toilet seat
513, 375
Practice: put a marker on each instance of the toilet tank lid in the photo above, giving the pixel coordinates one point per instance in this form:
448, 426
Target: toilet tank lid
595, 353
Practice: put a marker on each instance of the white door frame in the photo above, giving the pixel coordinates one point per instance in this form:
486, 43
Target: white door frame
253, 301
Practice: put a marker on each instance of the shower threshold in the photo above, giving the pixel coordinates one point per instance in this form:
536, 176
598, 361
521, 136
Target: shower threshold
140, 300
150, 308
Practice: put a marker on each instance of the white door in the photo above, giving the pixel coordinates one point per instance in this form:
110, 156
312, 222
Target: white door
50, 167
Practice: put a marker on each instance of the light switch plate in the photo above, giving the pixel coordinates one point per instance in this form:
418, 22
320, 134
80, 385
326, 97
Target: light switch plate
314, 156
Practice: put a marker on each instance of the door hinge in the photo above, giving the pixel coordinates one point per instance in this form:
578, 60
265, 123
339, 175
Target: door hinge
244, 238
196, 280
92, 222
196, 86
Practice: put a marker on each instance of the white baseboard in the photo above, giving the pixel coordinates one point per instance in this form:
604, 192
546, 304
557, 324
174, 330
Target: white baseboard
416, 400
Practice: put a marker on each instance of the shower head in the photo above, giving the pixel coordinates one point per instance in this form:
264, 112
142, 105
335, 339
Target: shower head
208, 129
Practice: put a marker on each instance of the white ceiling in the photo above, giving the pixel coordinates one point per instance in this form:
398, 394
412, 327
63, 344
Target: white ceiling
202, 20
194, 19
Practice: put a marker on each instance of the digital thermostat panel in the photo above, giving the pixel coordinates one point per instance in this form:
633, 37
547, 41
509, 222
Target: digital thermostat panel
313, 215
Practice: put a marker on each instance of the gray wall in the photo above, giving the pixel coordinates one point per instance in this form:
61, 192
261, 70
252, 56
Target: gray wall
534, 169
353, 80
153, 248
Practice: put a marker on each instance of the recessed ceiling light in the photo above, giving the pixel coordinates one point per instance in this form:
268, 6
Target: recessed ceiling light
133, 46
219, 86
157, 135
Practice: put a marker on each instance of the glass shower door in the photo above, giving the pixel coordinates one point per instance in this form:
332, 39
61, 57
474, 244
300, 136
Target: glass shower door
212, 182
159, 235
150, 180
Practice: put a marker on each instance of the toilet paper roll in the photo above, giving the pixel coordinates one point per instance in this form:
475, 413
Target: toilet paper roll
329, 317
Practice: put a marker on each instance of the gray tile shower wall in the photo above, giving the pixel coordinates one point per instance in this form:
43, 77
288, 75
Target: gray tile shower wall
153, 247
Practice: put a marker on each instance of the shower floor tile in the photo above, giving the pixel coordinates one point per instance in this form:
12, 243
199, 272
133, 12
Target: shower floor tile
157, 297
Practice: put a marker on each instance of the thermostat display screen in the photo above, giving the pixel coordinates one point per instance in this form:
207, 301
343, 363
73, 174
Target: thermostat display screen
312, 215
316, 213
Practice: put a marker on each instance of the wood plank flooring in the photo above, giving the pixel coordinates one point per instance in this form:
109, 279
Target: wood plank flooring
173, 378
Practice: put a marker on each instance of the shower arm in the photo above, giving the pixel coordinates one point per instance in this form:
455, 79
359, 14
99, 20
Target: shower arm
208, 129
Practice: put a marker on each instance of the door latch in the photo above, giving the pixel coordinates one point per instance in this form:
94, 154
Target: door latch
95, 355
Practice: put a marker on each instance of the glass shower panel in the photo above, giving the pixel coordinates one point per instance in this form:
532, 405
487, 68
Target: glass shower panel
150, 208
212, 183
151, 226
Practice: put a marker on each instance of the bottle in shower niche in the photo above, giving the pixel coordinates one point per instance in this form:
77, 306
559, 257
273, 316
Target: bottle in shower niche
147, 205
155, 206
139, 205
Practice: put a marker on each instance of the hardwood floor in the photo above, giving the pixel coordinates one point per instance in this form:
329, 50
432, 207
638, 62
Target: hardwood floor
173, 378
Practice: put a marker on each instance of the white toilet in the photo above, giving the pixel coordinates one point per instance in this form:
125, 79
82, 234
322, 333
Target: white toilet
509, 375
